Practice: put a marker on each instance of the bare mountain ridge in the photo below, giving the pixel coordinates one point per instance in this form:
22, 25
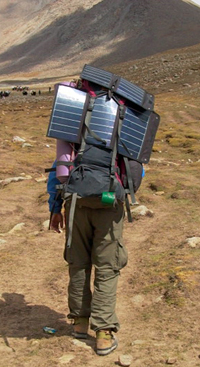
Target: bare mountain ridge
50, 37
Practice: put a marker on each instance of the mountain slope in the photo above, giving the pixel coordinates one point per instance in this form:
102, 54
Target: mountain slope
49, 36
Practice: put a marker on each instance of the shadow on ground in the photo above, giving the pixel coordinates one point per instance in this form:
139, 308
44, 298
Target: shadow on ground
19, 319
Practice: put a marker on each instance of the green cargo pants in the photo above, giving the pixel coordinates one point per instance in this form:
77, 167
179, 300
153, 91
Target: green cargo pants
97, 241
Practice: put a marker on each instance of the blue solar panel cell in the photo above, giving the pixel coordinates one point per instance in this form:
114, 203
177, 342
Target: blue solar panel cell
133, 132
135, 94
130, 91
67, 115
102, 121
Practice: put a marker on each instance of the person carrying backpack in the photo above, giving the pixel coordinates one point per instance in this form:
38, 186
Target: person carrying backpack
93, 189
96, 241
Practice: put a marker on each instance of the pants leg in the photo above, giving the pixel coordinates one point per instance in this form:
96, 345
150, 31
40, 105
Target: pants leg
108, 257
103, 315
79, 262
96, 240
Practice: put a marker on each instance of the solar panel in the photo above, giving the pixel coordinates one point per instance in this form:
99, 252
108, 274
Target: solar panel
135, 94
120, 86
102, 121
98, 76
67, 114
149, 138
137, 134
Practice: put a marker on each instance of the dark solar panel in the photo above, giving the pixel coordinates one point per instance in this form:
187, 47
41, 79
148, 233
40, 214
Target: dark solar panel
102, 121
149, 138
122, 87
98, 76
66, 119
135, 94
138, 127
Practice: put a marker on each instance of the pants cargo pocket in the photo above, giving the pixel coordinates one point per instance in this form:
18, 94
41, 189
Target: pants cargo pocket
121, 256
67, 254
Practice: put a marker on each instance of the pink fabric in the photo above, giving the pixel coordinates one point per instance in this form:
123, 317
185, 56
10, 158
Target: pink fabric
116, 174
86, 86
64, 152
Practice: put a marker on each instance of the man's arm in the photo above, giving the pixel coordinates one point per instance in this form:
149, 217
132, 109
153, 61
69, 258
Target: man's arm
55, 202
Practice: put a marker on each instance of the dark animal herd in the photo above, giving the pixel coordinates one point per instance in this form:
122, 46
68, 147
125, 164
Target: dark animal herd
24, 91
4, 93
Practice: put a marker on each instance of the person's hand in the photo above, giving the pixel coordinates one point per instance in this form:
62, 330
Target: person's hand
56, 223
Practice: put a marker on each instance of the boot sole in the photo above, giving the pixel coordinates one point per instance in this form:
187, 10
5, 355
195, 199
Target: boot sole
79, 335
106, 351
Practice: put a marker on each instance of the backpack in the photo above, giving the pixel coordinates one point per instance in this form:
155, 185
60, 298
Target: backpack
112, 126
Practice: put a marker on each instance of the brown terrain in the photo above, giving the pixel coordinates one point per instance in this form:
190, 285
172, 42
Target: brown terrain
159, 290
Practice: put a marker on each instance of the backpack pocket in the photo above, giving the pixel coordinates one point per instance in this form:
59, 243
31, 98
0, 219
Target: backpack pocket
89, 180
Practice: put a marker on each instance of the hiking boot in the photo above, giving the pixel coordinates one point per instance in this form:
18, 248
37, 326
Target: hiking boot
105, 342
80, 327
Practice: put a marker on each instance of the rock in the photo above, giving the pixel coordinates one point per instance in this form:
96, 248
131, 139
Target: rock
35, 343
2, 242
125, 360
193, 241
14, 179
170, 361
138, 299
66, 358
24, 145
78, 343
158, 299
17, 227
138, 342
17, 139
41, 179
141, 210
45, 224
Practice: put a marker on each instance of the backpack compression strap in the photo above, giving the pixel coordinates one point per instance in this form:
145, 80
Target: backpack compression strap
92, 133
71, 218
127, 167
113, 179
130, 181
59, 163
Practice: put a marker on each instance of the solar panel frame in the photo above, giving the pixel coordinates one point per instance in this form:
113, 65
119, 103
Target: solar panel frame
118, 85
135, 94
149, 138
97, 76
68, 114
106, 112
137, 133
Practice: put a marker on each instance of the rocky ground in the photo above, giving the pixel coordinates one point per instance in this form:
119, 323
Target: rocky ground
158, 294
